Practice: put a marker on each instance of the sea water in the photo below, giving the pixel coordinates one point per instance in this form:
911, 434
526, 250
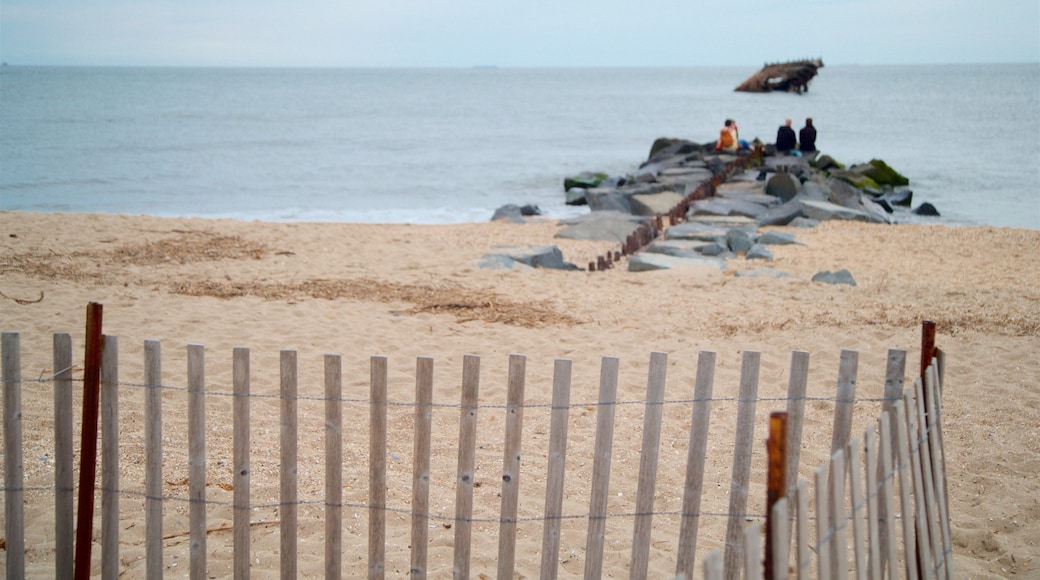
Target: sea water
452, 145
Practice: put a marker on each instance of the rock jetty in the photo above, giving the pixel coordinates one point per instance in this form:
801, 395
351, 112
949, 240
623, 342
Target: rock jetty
688, 205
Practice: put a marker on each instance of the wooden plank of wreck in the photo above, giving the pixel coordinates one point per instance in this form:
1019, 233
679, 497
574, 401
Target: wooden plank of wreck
197, 460
607, 404
333, 467
63, 457
511, 467
648, 457
421, 465
240, 378
377, 467
741, 476
110, 457
14, 475
561, 399
466, 465
695, 458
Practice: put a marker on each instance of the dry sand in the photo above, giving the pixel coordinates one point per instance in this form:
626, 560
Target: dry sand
406, 291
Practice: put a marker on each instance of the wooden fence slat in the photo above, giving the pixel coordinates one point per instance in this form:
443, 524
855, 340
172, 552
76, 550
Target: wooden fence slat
888, 544
796, 386
922, 528
858, 505
64, 478
421, 465
466, 465
928, 478
88, 440
713, 566
14, 473
607, 405
804, 558
695, 459
110, 457
377, 467
197, 461
241, 420
939, 466
153, 475
823, 530
753, 552
844, 400
873, 570
906, 507
781, 545
839, 539
561, 399
287, 504
511, 467
738, 488
653, 411
333, 467
895, 371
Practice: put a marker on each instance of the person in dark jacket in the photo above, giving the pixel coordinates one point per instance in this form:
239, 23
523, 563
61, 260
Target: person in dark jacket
807, 137
785, 138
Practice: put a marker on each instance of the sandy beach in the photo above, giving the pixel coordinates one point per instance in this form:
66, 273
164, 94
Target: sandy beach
408, 291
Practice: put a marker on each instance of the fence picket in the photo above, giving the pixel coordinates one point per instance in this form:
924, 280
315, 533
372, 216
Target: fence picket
554, 479
753, 552
240, 417
64, 515
839, 541
823, 531
928, 479
858, 504
511, 467
741, 475
595, 537
695, 458
895, 371
333, 467
466, 464
421, 465
377, 467
197, 461
906, 507
873, 570
780, 547
939, 466
921, 528
110, 457
845, 397
288, 506
653, 411
14, 474
802, 531
796, 386
888, 543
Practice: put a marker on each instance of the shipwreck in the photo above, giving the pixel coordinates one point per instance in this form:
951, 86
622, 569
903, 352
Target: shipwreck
790, 77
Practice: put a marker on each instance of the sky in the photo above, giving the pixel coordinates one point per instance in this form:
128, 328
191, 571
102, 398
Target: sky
514, 33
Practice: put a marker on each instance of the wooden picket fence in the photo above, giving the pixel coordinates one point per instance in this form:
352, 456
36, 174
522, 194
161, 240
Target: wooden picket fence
903, 461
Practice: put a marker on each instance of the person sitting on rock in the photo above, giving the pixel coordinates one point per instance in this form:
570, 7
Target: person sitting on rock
727, 137
785, 138
807, 137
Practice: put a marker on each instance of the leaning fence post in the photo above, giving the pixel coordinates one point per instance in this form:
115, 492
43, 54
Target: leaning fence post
511, 466
64, 492
110, 457
377, 468
197, 460
554, 479
240, 458
607, 403
14, 475
654, 409
695, 459
333, 468
421, 465
466, 464
741, 476
88, 440
776, 480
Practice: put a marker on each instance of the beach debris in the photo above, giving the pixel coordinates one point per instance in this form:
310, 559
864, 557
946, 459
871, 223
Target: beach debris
842, 276
790, 77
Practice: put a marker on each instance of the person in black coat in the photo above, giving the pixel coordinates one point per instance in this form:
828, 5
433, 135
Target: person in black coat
785, 139
807, 137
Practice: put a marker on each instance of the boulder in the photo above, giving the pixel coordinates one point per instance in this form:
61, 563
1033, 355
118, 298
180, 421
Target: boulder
533, 256
515, 213
825, 210
739, 241
610, 228
926, 209
696, 231
881, 173
783, 186
840, 277
777, 239
601, 199
676, 248
782, 215
761, 272
585, 179
759, 252
655, 203
726, 207
643, 262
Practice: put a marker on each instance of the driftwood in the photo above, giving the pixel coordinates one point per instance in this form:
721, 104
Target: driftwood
792, 77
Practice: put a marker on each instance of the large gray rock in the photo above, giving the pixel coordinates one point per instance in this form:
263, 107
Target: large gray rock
840, 277
655, 203
783, 186
739, 241
717, 206
600, 199
515, 213
676, 248
609, 226
643, 262
759, 252
696, 231
777, 239
781, 215
825, 210
532, 256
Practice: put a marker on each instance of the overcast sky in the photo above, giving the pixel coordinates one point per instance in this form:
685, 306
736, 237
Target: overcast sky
517, 33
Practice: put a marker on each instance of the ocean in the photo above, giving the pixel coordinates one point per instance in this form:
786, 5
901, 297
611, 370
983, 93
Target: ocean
452, 145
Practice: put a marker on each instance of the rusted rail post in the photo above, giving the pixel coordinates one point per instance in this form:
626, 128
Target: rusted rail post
776, 484
88, 441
